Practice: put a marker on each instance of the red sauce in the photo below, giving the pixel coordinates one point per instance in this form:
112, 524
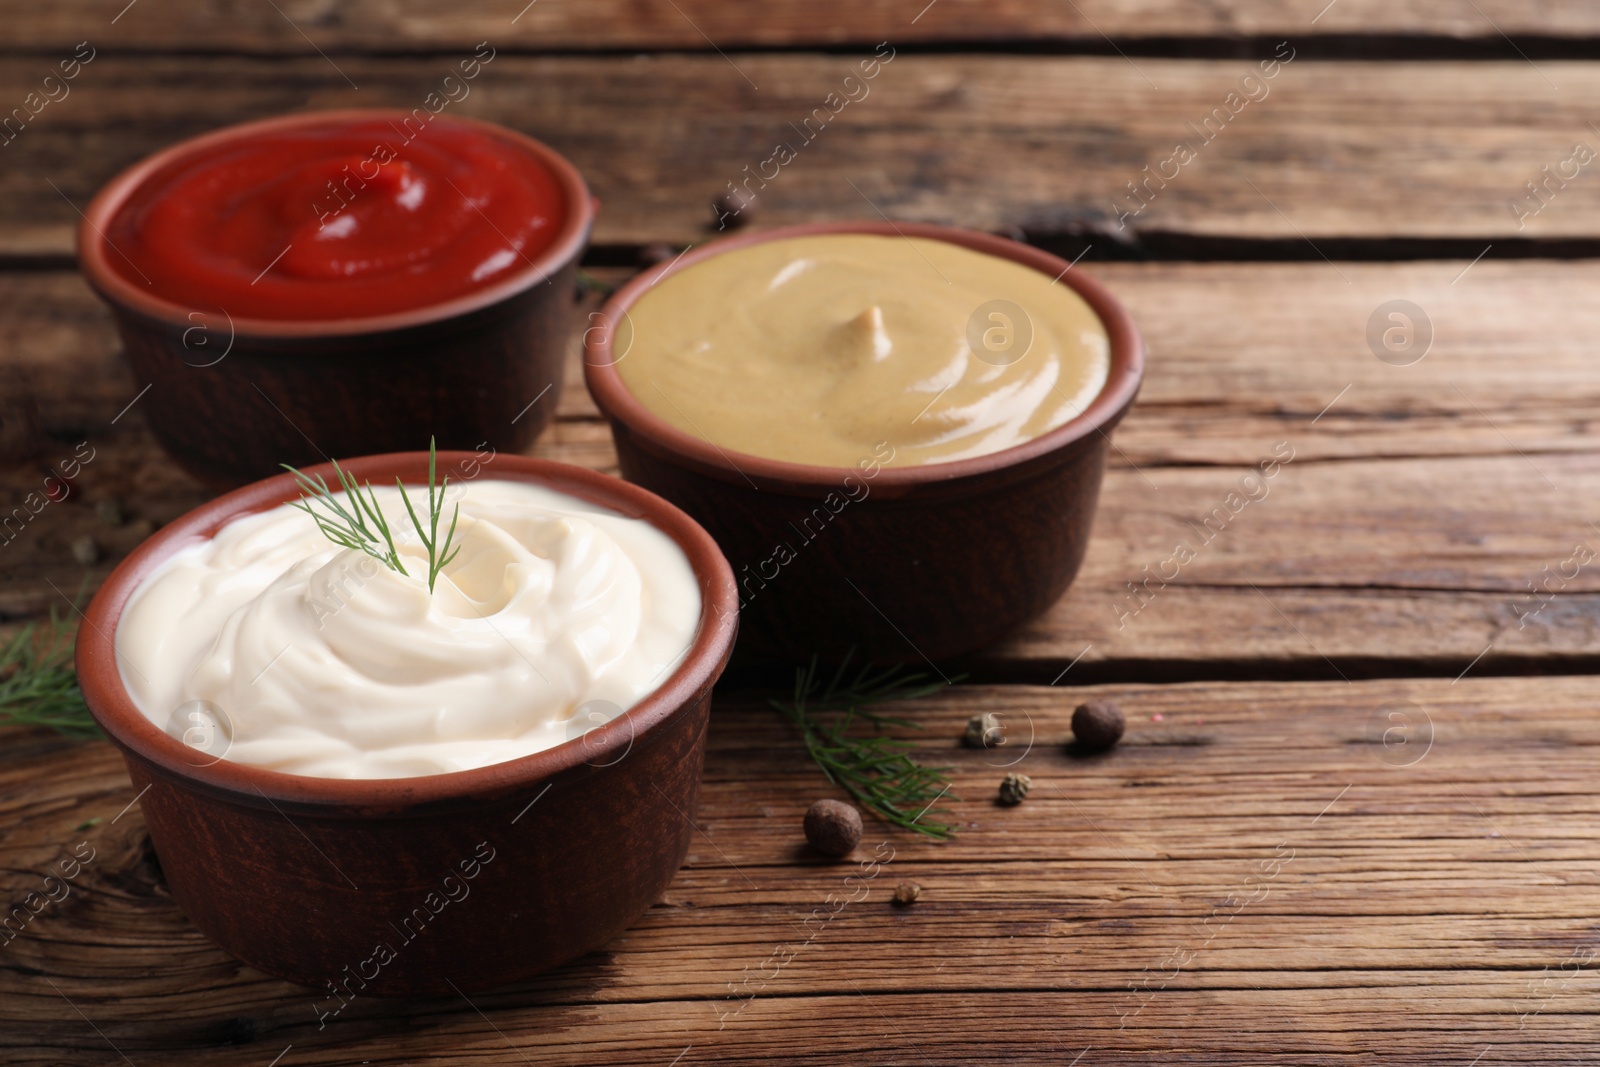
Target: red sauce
359, 218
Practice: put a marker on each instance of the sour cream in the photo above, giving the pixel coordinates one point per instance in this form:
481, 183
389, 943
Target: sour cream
555, 616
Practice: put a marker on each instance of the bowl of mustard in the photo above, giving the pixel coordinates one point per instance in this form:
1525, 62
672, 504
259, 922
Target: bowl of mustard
895, 432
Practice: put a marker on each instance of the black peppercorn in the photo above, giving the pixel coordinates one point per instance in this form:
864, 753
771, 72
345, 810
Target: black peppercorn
1097, 725
732, 209
85, 550
1013, 787
985, 731
833, 827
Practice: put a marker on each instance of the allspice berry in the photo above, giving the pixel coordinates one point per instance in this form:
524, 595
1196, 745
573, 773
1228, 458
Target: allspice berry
906, 894
1097, 725
1013, 787
984, 731
833, 827
732, 209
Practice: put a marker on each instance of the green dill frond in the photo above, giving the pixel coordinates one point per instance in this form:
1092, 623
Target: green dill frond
38, 686
877, 771
365, 528
438, 557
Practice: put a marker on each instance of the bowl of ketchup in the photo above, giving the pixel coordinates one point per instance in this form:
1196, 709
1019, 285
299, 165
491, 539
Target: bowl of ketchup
341, 283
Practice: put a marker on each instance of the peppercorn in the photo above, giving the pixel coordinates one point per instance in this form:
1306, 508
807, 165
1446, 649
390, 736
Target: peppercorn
1013, 787
985, 731
85, 550
906, 894
732, 209
1097, 725
833, 827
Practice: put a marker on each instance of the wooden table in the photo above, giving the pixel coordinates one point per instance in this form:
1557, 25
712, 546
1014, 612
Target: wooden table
1354, 817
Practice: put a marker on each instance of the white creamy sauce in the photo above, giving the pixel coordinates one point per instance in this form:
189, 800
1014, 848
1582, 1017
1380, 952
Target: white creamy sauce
324, 662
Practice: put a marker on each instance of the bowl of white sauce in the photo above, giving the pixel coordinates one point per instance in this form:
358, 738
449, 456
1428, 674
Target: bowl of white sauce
376, 776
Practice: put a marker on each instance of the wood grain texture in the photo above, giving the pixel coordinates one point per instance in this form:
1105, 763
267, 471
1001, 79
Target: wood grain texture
298, 26
1047, 144
1403, 535
1254, 874
1314, 872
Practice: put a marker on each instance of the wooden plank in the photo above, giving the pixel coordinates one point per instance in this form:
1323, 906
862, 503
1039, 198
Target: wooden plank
1344, 568
414, 25
1241, 354
1418, 506
1047, 144
1389, 531
1253, 874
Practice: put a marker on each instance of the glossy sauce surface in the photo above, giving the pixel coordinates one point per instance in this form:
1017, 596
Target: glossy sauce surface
818, 350
349, 219
554, 617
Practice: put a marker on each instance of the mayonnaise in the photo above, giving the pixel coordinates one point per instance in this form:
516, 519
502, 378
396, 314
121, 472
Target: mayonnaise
818, 349
321, 661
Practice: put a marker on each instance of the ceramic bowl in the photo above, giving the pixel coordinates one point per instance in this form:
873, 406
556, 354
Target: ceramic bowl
922, 562
231, 398
425, 885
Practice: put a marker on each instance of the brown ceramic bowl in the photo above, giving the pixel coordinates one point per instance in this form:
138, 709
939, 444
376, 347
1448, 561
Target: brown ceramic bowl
306, 877
932, 561
231, 398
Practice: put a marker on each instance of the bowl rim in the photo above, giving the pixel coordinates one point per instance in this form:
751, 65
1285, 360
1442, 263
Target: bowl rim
113, 707
617, 403
93, 258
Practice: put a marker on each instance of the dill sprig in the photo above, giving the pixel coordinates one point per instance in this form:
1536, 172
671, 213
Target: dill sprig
365, 527
38, 686
877, 771
430, 540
